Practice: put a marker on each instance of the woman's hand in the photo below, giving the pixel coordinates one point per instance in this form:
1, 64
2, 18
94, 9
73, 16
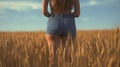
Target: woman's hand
76, 14
47, 14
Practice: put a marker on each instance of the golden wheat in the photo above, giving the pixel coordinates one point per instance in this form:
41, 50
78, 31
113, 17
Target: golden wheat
90, 49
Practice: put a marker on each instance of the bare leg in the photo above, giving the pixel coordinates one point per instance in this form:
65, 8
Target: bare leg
53, 43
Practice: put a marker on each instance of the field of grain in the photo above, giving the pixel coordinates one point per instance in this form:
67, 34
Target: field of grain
90, 49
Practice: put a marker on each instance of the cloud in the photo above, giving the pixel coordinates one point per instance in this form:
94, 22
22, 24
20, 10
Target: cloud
19, 5
26, 5
90, 3
2, 12
85, 19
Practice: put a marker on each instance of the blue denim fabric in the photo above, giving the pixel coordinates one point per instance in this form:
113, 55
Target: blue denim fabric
61, 25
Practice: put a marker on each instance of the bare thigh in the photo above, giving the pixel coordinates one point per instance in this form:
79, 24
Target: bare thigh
52, 39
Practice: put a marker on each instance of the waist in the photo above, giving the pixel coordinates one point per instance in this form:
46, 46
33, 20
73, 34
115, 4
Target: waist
61, 11
61, 15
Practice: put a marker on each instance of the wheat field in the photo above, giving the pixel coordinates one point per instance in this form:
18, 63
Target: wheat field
99, 48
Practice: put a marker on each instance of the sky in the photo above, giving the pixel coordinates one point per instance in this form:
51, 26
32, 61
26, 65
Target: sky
26, 15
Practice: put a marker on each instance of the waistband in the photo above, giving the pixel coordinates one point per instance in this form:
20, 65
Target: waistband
61, 15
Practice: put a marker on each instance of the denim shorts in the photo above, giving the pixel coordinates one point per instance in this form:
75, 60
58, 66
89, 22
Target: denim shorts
61, 25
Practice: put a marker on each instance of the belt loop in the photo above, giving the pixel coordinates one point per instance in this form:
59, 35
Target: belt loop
53, 15
63, 15
60, 15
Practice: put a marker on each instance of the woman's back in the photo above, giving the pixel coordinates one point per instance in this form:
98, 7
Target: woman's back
61, 6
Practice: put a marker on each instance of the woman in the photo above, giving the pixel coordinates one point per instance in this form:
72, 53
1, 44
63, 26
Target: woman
61, 22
